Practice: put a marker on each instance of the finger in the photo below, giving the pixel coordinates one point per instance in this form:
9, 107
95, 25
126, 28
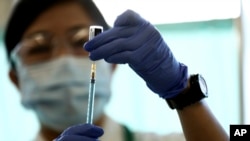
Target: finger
140, 37
109, 36
115, 47
134, 58
75, 138
119, 58
85, 130
129, 18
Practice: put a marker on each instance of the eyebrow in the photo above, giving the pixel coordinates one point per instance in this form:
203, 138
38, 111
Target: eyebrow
75, 29
34, 34
70, 31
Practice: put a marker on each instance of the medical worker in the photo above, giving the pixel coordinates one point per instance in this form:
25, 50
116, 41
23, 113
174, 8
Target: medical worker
48, 48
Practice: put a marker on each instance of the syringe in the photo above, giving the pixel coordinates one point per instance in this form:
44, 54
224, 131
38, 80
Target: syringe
93, 31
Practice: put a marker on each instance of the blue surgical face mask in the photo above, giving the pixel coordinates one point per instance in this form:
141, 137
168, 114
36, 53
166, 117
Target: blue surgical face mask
58, 90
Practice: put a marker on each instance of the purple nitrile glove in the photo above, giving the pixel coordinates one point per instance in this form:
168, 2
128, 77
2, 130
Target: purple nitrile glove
81, 132
135, 41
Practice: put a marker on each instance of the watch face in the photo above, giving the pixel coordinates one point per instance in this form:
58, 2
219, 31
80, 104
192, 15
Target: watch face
203, 85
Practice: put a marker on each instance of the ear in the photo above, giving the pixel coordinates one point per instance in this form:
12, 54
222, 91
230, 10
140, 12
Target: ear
114, 67
13, 77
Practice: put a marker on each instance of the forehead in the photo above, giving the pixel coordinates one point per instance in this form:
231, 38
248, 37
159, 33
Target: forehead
59, 18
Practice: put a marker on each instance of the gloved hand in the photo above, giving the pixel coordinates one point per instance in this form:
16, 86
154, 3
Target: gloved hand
135, 41
82, 132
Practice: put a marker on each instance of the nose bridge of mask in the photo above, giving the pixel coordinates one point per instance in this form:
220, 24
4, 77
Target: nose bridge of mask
67, 69
61, 48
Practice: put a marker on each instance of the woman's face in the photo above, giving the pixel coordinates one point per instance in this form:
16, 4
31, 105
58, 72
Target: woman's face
60, 30
51, 82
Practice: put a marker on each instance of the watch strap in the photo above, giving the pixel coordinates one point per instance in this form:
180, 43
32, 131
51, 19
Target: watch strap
190, 95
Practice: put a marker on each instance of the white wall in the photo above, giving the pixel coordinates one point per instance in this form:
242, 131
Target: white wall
171, 11
246, 59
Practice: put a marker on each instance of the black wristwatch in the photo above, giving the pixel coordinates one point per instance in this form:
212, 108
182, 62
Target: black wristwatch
196, 91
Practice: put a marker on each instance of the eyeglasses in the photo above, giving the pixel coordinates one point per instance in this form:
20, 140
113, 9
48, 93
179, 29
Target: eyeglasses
42, 46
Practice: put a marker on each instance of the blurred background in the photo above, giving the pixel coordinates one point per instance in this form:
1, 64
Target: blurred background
212, 37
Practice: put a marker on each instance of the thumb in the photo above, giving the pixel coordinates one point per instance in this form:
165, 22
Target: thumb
129, 18
88, 130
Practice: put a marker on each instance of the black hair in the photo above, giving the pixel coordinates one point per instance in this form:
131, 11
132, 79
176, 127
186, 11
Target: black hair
26, 11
